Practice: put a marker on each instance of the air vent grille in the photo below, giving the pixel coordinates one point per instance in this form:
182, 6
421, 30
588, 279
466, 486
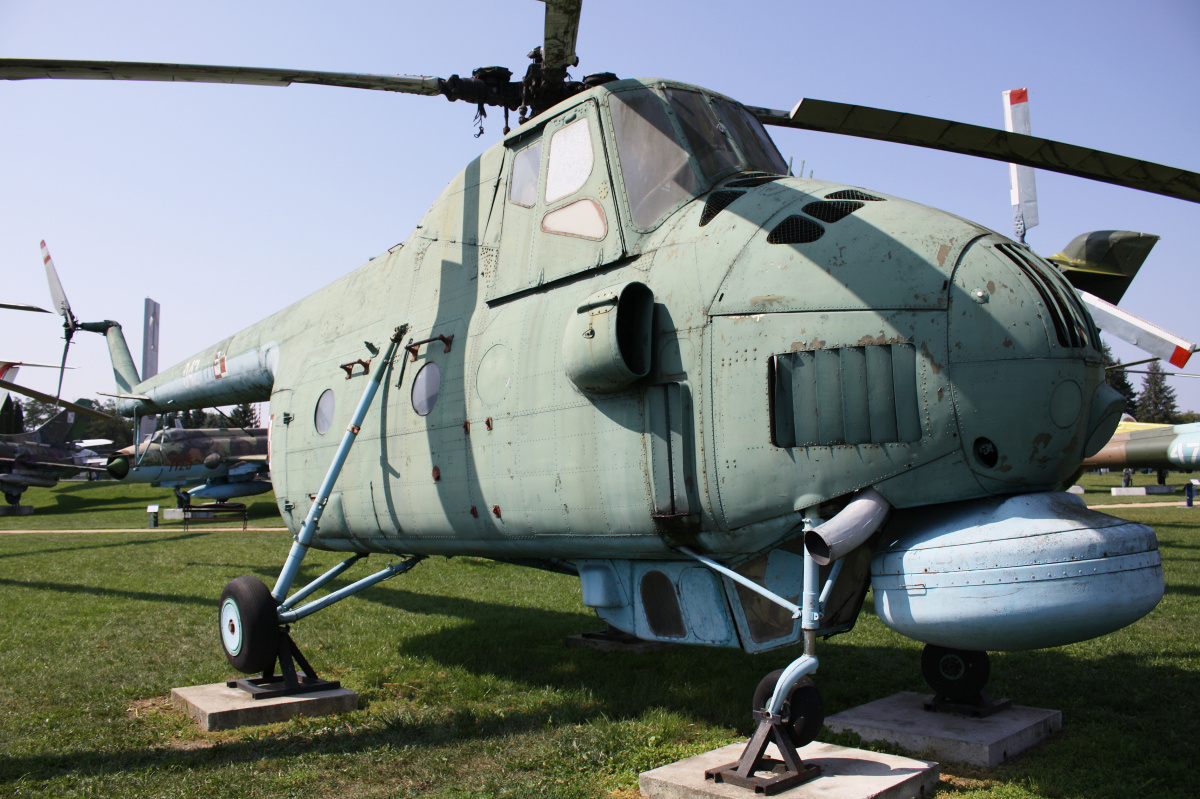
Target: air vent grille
750, 183
795, 230
854, 194
1072, 326
846, 395
832, 211
718, 201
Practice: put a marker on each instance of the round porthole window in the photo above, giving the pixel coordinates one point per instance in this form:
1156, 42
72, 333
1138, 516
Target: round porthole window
324, 415
425, 389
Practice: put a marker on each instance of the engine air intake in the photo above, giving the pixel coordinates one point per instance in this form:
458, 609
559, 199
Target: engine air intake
854, 194
832, 211
718, 201
751, 183
795, 229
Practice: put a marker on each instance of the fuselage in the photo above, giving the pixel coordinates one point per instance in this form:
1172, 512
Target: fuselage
773, 343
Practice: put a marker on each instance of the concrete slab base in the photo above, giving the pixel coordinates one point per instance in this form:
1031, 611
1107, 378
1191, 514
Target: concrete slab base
218, 707
845, 774
1141, 491
901, 719
16, 510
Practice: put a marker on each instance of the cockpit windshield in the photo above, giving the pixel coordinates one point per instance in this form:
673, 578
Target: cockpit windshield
664, 164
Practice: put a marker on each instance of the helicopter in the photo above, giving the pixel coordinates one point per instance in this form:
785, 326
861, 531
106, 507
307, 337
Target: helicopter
627, 344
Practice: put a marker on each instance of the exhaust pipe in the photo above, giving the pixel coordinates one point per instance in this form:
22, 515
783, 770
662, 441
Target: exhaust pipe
856, 522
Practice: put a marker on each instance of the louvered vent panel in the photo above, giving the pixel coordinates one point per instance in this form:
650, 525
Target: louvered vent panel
848, 395
832, 211
854, 194
718, 201
795, 230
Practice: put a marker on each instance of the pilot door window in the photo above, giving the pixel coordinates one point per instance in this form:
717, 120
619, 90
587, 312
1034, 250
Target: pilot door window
571, 162
523, 187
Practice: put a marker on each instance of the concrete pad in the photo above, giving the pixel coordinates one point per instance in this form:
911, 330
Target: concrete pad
845, 774
218, 707
16, 510
1141, 491
902, 719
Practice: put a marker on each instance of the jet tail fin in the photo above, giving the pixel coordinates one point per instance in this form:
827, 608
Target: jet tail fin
1104, 262
64, 426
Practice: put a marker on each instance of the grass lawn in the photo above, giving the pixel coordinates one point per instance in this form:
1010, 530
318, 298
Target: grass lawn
468, 690
109, 505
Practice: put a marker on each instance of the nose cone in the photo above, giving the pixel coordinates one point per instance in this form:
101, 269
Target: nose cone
1026, 368
118, 467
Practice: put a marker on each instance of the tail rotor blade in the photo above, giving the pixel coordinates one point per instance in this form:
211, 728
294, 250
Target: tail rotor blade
56, 290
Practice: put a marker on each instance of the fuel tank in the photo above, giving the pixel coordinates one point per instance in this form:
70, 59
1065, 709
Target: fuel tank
1010, 573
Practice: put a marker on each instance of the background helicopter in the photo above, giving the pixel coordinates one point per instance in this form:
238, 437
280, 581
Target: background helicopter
282, 148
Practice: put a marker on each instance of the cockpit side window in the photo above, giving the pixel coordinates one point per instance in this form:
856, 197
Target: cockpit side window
571, 160
759, 150
523, 186
708, 138
654, 166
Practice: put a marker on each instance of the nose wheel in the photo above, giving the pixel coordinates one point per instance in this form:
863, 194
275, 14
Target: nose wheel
957, 677
249, 625
796, 724
804, 708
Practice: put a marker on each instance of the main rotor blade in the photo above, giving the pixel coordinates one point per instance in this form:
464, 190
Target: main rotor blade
32, 68
17, 306
998, 145
71, 406
562, 29
56, 290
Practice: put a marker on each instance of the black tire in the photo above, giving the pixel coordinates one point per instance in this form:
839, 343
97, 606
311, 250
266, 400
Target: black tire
806, 708
12, 499
248, 625
956, 674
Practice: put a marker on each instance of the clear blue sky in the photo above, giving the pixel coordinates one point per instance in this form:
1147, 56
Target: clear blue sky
228, 203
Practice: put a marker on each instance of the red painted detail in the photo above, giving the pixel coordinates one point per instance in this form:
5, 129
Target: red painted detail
1180, 357
496, 511
437, 474
1018, 96
474, 511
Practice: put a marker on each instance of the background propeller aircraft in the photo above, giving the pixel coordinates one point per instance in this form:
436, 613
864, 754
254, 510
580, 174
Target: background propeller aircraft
626, 344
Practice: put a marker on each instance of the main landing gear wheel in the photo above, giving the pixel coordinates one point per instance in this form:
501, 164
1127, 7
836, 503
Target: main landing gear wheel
955, 674
249, 625
807, 709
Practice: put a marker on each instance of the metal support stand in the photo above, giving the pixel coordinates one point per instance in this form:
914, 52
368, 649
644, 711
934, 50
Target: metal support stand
288, 683
786, 773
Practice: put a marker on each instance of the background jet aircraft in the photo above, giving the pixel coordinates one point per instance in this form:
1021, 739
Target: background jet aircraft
41, 458
231, 462
1140, 445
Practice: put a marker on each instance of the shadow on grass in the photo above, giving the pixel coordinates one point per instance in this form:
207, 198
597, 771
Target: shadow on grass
122, 543
92, 590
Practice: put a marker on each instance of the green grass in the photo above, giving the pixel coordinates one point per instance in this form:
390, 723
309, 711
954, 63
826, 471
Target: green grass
468, 690
109, 505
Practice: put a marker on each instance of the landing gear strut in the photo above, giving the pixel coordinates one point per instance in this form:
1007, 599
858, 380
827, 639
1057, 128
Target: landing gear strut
958, 676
